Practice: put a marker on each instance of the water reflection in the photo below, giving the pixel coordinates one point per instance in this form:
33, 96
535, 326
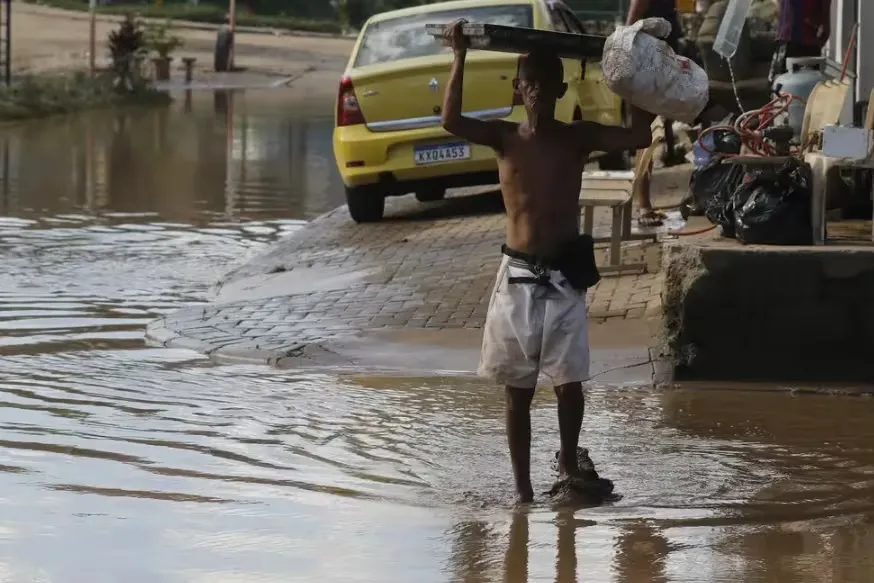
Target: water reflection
516, 558
483, 551
226, 153
641, 552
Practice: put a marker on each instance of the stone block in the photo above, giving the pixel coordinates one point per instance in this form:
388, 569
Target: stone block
768, 313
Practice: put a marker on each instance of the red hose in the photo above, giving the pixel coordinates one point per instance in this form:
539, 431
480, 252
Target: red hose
695, 232
850, 47
752, 135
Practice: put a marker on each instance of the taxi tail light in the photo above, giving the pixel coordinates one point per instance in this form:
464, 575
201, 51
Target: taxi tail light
348, 110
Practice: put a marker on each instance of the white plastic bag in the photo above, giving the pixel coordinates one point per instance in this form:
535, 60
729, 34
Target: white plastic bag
642, 69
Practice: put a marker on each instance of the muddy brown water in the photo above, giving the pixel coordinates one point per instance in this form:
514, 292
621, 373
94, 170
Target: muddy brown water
123, 462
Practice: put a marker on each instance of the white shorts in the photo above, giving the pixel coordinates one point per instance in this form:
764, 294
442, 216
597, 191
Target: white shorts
534, 328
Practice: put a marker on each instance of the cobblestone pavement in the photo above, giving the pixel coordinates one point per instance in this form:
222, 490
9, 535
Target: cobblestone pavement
425, 266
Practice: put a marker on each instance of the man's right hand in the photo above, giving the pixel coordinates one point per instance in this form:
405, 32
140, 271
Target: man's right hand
455, 36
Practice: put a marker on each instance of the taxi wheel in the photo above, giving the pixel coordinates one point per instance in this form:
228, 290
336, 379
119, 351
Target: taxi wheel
366, 203
430, 194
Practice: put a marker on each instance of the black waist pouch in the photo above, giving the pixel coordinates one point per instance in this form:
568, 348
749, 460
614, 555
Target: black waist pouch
577, 263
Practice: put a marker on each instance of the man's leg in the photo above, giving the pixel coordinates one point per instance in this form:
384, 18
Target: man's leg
519, 439
671, 158
647, 217
571, 406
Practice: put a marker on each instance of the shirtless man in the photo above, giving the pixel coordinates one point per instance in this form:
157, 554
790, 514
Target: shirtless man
537, 320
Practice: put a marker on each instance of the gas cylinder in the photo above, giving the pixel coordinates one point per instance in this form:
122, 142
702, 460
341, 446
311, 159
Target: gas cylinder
802, 75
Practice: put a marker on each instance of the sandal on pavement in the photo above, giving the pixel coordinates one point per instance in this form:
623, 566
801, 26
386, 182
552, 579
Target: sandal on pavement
650, 218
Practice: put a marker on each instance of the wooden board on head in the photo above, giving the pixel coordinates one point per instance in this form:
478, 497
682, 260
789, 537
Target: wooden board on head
514, 39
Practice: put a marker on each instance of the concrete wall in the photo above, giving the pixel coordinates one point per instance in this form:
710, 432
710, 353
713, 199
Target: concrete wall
865, 46
791, 314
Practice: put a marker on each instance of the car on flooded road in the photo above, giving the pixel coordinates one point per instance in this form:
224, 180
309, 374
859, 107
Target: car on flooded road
388, 138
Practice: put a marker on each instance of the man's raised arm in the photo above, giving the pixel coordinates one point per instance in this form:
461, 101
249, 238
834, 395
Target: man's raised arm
486, 133
601, 138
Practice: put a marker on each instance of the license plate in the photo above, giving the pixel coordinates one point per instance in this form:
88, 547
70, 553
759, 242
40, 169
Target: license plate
441, 153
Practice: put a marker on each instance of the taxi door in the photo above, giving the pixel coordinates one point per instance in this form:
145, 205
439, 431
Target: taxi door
597, 102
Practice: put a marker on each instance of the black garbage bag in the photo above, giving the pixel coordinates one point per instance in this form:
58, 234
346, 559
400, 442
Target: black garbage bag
714, 180
719, 207
774, 207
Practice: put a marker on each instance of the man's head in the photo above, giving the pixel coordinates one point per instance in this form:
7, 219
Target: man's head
541, 81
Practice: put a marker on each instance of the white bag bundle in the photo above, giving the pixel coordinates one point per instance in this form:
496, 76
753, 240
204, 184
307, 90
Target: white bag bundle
642, 69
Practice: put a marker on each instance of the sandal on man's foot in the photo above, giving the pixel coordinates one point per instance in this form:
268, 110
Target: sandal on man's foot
650, 219
581, 489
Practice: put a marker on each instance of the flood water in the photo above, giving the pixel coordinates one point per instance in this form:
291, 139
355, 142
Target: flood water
120, 462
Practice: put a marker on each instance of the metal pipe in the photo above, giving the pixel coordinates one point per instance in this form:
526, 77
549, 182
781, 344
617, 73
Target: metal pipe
232, 24
8, 42
92, 36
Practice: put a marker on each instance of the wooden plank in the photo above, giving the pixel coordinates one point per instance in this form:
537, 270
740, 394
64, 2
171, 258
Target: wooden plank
606, 185
606, 188
609, 198
515, 39
609, 174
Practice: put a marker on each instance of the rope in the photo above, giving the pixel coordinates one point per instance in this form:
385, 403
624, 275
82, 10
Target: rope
740, 106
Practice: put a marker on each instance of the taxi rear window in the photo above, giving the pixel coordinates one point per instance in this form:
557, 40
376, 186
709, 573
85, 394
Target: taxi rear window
405, 37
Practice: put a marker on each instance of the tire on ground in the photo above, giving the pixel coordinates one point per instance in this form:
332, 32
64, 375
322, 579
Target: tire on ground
224, 44
366, 204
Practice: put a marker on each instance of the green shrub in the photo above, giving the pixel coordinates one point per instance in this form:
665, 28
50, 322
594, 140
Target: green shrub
127, 51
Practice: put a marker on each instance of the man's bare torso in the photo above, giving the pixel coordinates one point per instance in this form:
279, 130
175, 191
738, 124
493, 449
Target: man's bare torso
540, 177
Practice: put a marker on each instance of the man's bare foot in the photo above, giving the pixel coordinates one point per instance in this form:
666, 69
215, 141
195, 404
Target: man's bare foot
650, 218
526, 493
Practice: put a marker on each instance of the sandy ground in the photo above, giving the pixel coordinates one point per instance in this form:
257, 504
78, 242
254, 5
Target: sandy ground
48, 39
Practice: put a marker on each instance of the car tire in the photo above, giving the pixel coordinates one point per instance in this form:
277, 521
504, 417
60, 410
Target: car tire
224, 44
432, 194
366, 204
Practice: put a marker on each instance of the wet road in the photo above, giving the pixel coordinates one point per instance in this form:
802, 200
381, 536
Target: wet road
122, 462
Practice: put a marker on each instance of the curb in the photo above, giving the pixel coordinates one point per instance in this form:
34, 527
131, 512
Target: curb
265, 330
159, 335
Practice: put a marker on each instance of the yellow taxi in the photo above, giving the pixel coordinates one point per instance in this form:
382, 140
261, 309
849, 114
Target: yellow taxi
388, 139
